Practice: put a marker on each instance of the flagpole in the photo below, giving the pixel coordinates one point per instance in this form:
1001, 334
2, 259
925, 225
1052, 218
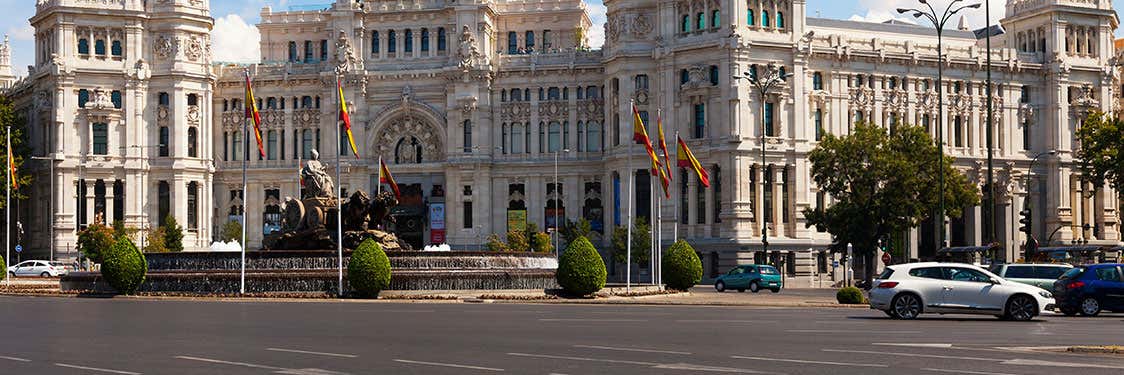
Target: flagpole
631, 177
300, 192
651, 243
678, 197
339, 193
8, 213
245, 157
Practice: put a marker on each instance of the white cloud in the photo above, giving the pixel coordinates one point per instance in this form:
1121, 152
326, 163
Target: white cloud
598, 14
235, 40
882, 10
25, 32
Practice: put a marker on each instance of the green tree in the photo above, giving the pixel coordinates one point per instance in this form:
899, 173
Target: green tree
882, 183
517, 241
368, 270
641, 240
173, 235
10, 118
231, 231
1101, 153
495, 244
540, 242
94, 240
581, 271
154, 241
124, 266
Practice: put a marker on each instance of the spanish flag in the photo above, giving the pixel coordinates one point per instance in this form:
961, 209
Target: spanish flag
345, 118
252, 113
687, 159
640, 135
665, 173
12, 163
386, 178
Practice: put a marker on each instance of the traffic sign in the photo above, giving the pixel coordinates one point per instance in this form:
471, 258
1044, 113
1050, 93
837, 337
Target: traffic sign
886, 258
19, 248
834, 264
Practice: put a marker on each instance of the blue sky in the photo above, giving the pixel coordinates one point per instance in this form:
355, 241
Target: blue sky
235, 20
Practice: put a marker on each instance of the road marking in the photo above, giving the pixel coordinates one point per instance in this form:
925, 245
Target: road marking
1035, 362
698, 368
965, 372
630, 349
915, 355
313, 353
594, 320
664, 366
453, 365
912, 344
14, 359
584, 359
848, 331
219, 361
809, 362
723, 321
97, 369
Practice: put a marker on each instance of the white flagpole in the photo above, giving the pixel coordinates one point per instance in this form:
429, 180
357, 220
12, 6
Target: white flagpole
300, 156
651, 236
339, 197
8, 213
678, 195
245, 156
631, 177
378, 183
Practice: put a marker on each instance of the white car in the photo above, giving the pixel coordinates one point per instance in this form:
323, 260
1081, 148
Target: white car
38, 268
907, 290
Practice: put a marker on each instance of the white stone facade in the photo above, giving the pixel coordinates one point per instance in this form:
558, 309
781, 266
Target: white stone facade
471, 102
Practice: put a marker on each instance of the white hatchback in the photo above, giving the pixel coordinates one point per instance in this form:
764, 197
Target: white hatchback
905, 291
38, 268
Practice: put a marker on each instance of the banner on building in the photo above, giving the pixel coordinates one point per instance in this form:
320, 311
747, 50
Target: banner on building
437, 216
516, 220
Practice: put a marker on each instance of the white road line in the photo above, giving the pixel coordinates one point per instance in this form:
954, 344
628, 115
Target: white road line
219, 361
848, 331
810, 362
14, 359
918, 345
915, 355
594, 320
1035, 362
630, 349
700, 368
313, 353
723, 321
965, 372
584, 359
97, 369
665, 366
453, 365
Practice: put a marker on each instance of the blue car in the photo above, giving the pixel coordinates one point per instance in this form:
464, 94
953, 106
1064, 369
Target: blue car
751, 276
1090, 289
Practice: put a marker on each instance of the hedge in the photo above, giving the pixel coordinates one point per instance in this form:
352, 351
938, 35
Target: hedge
369, 270
581, 271
681, 266
124, 266
850, 296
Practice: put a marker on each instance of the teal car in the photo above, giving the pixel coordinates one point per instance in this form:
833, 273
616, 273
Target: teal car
1039, 275
751, 276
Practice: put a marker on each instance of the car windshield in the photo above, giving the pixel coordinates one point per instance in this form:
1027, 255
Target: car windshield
768, 270
1049, 272
1019, 272
886, 274
1073, 273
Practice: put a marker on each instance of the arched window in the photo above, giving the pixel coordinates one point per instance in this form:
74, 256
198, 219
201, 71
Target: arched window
701, 24
503, 95
409, 41
516, 95
99, 47
553, 94
83, 46
512, 43
375, 43
715, 18
425, 40
306, 102
714, 75
115, 97
192, 142
592, 136
391, 41
749, 17
529, 40
780, 20
685, 25
764, 18
271, 103
442, 40
115, 48
83, 98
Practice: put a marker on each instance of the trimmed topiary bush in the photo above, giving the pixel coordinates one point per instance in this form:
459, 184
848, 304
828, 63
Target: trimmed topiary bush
681, 266
581, 271
123, 266
850, 296
369, 270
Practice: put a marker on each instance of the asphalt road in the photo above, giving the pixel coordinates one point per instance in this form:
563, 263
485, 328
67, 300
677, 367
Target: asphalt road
129, 336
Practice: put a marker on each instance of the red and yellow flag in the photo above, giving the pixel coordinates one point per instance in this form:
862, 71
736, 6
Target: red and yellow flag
687, 159
346, 119
386, 178
252, 113
12, 164
640, 135
665, 173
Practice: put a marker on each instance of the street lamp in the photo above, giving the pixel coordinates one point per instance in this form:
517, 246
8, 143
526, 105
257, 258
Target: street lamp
771, 78
51, 204
557, 197
939, 21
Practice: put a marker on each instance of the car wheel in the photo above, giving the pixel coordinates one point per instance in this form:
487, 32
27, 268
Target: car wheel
1021, 308
906, 306
720, 286
754, 287
45, 274
1090, 306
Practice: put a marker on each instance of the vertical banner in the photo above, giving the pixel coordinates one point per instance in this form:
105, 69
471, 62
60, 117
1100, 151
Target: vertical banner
516, 220
436, 223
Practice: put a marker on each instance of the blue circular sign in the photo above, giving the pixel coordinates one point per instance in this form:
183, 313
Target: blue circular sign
19, 248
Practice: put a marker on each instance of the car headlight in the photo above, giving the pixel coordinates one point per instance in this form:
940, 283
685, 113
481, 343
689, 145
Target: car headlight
1045, 294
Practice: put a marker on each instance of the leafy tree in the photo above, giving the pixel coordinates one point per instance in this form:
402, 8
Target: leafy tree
154, 242
517, 241
882, 183
10, 118
173, 235
641, 240
231, 231
495, 244
369, 270
124, 266
1101, 153
94, 240
540, 242
581, 271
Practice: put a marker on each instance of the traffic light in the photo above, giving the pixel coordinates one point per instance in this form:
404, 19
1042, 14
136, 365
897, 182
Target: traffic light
1025, 222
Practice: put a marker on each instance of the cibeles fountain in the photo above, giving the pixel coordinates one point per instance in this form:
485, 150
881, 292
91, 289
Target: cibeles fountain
303, 256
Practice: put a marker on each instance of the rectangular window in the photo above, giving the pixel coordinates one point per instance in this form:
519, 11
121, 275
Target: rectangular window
271, 145
306, 144
164, 202
83, 98
716, 182
546, 39
442, 40
770, 130
225, 146
958, 131
115, 97
307, 51
467, 215
1024, 96
192, 206
529, 40
767, 196
641, 82
164, 139
99, 201
753, 193
818, 117
467, 136
323, 50
784, 195
683, 211
101, 138
700, 121
817, 81
700, 198
1026, 135
237, 152
193, 142
118, 200
293, 57
82, 217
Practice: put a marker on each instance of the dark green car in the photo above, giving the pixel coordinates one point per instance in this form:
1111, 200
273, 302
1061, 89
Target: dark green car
752, 276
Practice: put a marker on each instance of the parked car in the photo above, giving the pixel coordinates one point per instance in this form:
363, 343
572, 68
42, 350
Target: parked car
38, 268
752, 276
1088, 290
907, 290
1039, 275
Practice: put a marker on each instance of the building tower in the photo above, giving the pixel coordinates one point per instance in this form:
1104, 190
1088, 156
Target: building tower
7, 78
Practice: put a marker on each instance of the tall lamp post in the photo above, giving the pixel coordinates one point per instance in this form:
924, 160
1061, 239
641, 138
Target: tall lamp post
53, 158
939, 20
764, 83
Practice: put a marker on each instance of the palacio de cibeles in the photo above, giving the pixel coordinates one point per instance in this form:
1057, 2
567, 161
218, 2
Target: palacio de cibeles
497, 115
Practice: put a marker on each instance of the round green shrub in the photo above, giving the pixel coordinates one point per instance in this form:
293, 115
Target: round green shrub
580, 269
681, 266
369, 270
850, 296
124, 266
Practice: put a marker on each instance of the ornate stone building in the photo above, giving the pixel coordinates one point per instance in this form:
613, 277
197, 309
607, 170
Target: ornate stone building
472, 104
7, 77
